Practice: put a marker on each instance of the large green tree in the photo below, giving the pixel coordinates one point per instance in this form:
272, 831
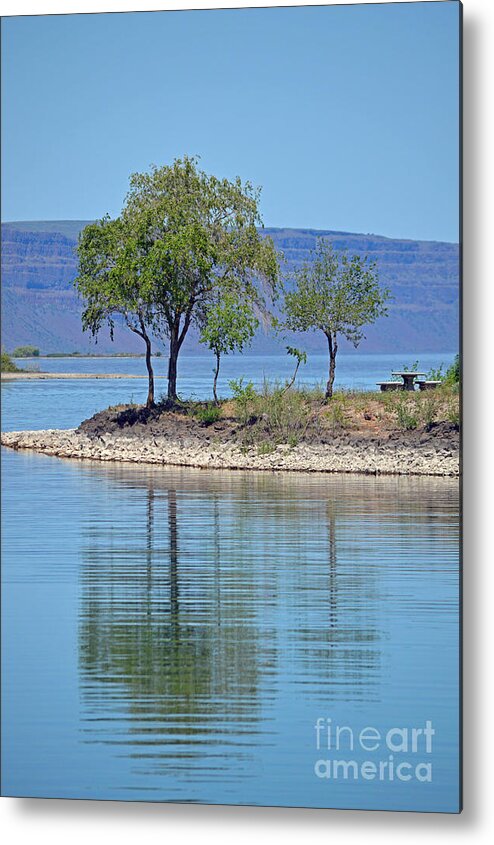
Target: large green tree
203, 240
337, 295
112, 284
184, 239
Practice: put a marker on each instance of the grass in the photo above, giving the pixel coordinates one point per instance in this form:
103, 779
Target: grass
275, 415
206, 414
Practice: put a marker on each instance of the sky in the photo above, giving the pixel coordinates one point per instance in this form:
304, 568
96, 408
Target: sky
347, 116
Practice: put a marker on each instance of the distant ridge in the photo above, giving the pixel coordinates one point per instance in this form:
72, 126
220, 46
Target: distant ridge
69, 228
40, 306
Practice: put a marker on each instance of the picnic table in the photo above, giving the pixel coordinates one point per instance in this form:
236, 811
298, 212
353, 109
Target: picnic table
389, 385
428, 385
408, 377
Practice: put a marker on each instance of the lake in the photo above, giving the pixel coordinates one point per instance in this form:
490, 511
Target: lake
178, 635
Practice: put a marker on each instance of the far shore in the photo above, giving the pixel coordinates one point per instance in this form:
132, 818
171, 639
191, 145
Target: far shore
42, 376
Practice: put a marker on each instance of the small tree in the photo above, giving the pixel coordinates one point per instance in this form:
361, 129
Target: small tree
229, 326
300, 358
112, 284
337, 295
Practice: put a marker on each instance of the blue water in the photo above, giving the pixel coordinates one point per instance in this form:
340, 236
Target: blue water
175, 635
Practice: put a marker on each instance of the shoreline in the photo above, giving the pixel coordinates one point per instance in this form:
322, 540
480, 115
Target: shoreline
42, 376
371, 459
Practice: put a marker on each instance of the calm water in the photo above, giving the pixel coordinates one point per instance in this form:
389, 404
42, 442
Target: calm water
176, 634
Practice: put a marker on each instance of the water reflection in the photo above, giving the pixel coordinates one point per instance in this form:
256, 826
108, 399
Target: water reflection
220, 611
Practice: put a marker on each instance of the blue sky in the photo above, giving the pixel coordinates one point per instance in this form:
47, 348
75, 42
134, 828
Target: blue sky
346, 115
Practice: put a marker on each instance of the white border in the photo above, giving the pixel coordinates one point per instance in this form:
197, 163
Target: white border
36, 7
77, 822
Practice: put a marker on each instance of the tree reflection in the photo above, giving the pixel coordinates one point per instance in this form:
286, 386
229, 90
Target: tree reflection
205, 597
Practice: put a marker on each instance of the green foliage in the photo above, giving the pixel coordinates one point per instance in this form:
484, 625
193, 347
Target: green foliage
207, 414
183, 240
406, 419
112, 283
336, 415
407, 369
229, 325
453, 373
450, 377
298, 354
241, 392
301, 358
337, 295
274, 414
26, 352
244, 396
69, 355
429, 411
283, 414
435, 374
6, 364
453, 413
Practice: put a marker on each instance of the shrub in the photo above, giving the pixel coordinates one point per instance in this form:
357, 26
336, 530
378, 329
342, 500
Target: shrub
453, 413
336, 415
245, 397
451, 376
453, 372
406, 419
276, 414
7, 365
26, 352
207, 414
283, 414
435, 374
241, 392
429, 410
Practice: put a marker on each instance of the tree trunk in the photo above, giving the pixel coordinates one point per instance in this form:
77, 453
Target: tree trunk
172, 366
215, 380
177, 337
333, 348
143, 333
290, 384
150, 399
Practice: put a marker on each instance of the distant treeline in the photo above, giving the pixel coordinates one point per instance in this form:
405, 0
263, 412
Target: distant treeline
34, 352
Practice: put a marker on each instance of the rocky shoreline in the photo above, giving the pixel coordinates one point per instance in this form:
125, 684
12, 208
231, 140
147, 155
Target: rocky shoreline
369, 457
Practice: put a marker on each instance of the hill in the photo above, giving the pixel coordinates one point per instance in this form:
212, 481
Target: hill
40, 306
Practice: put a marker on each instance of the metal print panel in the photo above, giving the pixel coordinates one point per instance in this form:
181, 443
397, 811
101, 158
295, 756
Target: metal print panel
230, 445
